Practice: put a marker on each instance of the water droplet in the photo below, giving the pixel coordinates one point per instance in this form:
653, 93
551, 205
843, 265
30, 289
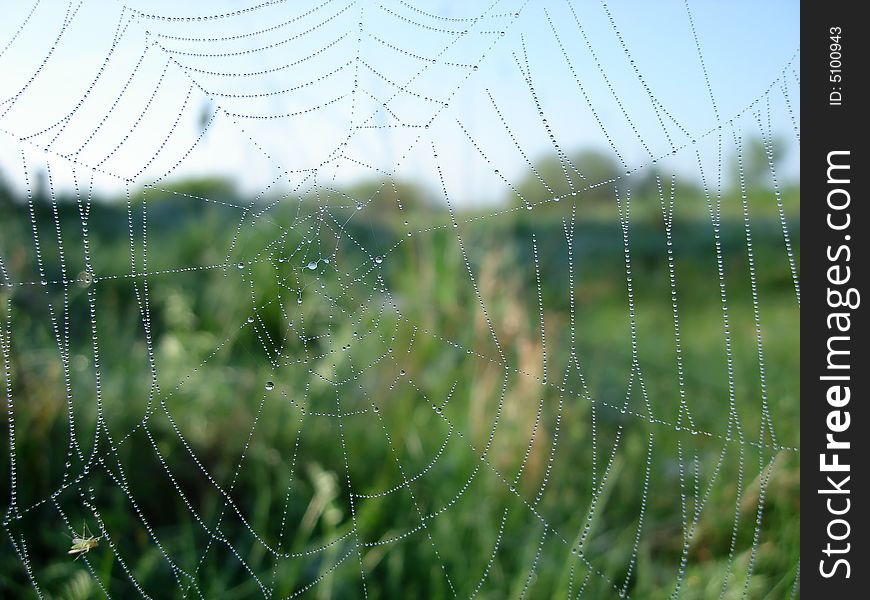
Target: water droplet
402, 372
474, 68
312, 265
250, 319
241, 265
379, 260
270, 386
359, 205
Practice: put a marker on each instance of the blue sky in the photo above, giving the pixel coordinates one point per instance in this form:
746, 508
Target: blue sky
357, 84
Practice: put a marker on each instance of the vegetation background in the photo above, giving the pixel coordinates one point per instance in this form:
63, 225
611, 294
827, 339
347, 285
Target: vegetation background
390, 335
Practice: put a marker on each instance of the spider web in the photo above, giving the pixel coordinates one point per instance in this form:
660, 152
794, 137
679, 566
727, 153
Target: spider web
379, 395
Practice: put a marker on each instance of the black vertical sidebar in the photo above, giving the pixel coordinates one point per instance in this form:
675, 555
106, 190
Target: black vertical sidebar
835, 341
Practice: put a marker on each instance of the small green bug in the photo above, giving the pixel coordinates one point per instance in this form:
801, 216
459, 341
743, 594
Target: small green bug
84, 543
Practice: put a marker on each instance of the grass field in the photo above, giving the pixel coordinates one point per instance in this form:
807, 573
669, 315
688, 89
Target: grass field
473, 387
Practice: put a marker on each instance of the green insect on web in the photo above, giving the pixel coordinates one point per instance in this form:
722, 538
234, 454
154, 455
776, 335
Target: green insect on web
84, 542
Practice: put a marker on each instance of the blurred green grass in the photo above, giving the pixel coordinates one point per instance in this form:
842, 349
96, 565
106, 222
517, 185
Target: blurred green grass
386, 373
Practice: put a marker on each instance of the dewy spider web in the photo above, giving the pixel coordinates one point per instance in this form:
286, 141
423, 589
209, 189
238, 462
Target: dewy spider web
383, 389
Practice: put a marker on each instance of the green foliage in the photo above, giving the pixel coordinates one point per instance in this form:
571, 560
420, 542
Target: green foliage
326, 355
386, 196
589, 173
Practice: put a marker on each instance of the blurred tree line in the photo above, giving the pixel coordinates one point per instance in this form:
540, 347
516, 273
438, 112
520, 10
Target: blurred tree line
591, 176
